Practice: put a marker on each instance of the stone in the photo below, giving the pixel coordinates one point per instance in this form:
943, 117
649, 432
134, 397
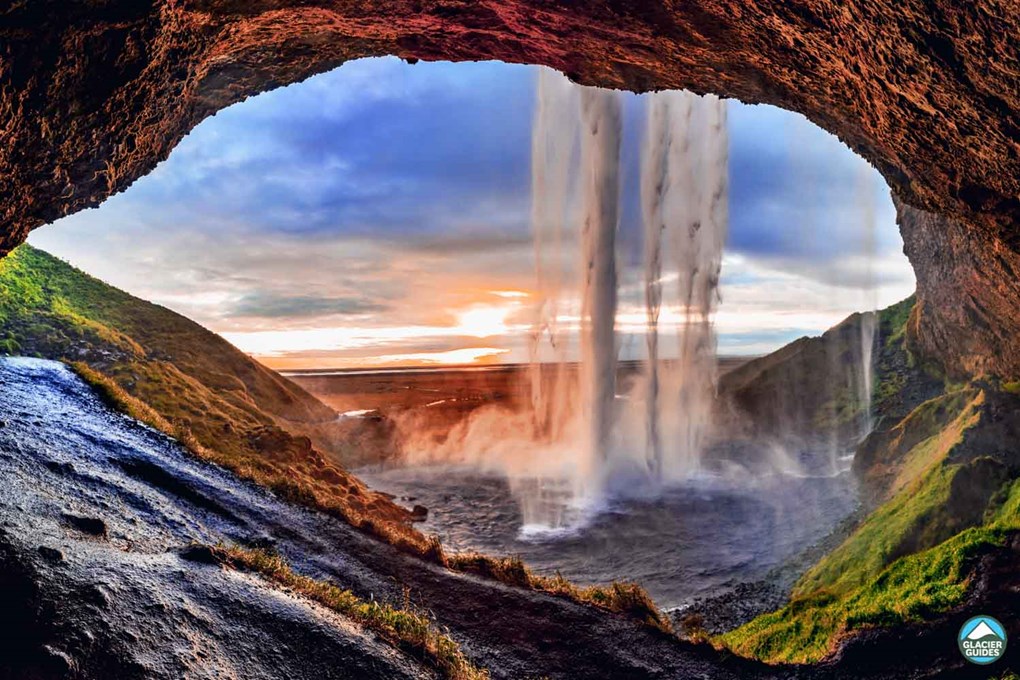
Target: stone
201, 554
92, 526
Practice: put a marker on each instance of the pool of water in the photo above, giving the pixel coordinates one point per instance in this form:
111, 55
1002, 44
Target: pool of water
695, 539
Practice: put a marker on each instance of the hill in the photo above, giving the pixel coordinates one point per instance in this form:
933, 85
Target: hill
814, 387
183, 379
940, 481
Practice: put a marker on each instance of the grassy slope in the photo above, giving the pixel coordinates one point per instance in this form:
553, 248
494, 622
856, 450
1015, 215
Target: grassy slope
939, 503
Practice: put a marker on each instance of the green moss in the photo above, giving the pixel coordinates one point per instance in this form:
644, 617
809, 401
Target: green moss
1012, 386
913, 588
893, 320
869, 549
923, 486
872, 579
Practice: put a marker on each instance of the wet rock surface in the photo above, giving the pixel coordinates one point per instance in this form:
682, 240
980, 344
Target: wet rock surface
92, 597
968, 293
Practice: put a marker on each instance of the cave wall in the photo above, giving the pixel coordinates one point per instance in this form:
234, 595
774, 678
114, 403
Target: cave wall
94, 93
968, 295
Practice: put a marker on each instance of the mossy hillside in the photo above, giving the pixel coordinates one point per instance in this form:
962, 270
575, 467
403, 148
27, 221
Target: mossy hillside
901, 380
814, 387
912, 558
914, 588
887, 460
940, 475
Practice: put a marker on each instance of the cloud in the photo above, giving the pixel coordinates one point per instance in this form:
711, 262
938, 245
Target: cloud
268, 305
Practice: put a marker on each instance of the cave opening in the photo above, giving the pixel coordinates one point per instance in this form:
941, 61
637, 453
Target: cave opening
368, 233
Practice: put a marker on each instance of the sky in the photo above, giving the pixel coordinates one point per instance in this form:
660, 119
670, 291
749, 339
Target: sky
378, 215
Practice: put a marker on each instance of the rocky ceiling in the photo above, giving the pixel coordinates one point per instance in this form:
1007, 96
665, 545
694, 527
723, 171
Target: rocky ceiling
94, 93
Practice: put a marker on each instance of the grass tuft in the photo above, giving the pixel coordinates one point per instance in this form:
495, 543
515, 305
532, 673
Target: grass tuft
622, 598
405, 629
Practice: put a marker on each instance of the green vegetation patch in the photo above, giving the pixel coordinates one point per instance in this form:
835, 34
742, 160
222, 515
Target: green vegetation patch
913, 588
909, 561
893, 320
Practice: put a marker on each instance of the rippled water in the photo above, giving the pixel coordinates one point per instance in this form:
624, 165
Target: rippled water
697, 539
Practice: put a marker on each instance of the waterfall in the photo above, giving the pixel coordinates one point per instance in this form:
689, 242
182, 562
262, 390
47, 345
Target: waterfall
684, 189
553, 147
655, 149
575, 149
576, 160
600, 165
571, 438
869, 319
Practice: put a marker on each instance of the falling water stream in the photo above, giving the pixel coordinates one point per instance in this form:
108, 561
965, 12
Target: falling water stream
684, 204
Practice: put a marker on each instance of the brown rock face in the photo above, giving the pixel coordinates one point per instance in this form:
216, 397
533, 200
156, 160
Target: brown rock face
968, 294
93, 94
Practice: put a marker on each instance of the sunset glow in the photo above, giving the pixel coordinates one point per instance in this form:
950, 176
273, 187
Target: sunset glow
484, 321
